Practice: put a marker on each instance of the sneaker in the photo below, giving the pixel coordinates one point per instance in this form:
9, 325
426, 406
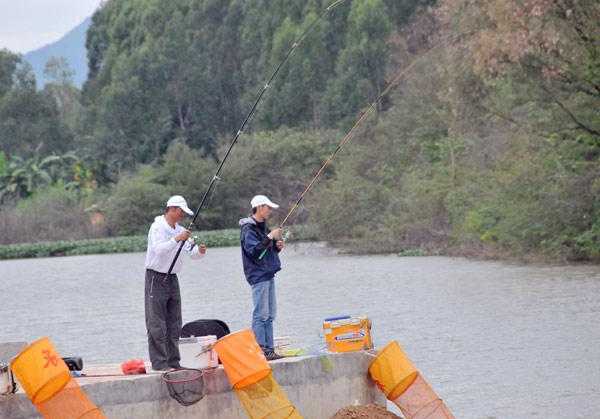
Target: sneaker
272, 356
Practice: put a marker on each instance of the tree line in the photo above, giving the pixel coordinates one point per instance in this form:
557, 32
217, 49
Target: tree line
489, 145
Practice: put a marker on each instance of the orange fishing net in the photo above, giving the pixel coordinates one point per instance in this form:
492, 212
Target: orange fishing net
392, 371
242, 358
419, 401
69, 403
46, 380
266, 400
252, 378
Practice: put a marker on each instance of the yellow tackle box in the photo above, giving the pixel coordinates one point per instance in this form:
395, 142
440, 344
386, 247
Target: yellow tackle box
347, 333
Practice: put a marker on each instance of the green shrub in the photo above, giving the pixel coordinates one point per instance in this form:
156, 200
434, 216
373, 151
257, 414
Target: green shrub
134, 202
588, 243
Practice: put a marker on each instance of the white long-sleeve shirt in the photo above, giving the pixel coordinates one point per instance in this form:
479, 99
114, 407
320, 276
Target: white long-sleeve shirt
162, 246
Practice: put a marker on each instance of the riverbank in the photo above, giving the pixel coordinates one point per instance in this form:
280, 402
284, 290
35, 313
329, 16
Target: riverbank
128, 244
473, 250
298, 233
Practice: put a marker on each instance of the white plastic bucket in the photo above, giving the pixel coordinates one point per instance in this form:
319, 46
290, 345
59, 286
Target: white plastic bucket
195, 353
208, 358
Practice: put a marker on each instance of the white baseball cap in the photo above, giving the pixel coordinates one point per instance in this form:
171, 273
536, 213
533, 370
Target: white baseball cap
179, 201
262, 200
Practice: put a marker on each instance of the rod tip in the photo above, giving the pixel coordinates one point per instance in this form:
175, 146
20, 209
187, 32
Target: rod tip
335, 4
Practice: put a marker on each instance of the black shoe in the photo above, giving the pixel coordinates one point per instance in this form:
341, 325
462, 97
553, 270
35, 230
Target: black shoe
272, 356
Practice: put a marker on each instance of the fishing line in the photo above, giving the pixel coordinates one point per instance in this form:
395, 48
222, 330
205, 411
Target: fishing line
267, 84
364, 114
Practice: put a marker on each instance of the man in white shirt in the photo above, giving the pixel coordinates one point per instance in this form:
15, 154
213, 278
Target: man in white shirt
162, 298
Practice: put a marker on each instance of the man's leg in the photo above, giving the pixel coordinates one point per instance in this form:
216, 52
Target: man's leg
173, 323
260, 315
155, 302
271, 318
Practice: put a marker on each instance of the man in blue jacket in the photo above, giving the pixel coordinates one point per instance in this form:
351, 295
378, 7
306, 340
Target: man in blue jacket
260, 257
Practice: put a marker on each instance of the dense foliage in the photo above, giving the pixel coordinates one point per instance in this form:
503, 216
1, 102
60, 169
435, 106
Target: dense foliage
490, 145
493, 144
188, 70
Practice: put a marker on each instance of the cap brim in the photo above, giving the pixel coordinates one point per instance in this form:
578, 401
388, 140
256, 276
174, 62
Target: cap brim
187, 210
272, 205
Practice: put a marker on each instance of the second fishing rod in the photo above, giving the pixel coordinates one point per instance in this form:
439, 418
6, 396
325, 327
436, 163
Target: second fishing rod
363, 116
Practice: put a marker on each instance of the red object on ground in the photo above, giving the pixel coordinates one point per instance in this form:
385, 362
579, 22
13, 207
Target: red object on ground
133, 366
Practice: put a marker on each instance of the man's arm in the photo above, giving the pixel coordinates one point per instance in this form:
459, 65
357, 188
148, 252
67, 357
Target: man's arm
253, 246
161, 244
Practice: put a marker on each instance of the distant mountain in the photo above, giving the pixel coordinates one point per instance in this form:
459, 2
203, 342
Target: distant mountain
71, 46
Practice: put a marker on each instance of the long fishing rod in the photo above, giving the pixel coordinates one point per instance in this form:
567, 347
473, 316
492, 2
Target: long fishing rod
267, 84
364, 114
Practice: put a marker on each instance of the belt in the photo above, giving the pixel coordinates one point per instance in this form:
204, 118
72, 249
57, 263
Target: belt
160, 273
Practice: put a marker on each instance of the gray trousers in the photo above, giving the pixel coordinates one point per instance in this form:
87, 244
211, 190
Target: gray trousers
162, 302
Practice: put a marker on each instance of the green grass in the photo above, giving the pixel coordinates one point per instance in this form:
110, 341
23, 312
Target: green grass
215, 238
412, 252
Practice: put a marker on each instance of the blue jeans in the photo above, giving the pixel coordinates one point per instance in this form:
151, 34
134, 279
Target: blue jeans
263, 296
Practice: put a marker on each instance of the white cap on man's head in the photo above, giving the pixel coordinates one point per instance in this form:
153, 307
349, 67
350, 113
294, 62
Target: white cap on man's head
179, 201
259, 200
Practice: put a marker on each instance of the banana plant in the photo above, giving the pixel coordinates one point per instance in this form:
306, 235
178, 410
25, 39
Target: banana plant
19, 178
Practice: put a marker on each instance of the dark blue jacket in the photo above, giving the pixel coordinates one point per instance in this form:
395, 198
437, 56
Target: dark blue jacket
254, 241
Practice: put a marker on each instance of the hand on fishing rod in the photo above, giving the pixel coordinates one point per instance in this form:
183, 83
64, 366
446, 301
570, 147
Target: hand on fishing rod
280, 244
276, 234
183, 236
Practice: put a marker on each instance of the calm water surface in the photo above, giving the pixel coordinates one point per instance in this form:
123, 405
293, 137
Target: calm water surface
495, 340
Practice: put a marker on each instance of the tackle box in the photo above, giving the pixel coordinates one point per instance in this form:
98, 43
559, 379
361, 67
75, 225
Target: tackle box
347, 333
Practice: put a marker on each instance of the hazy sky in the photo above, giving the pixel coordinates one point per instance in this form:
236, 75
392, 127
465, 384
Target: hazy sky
26, 25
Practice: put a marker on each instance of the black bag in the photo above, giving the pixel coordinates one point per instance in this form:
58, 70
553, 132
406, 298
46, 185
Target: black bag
204, 327
74, 363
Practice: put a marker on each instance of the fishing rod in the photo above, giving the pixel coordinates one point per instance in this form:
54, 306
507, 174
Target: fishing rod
267, 84
364, 114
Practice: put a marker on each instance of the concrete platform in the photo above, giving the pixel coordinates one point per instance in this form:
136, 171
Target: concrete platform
317, 385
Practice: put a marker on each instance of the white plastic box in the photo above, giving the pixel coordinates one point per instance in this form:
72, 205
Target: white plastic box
194, 353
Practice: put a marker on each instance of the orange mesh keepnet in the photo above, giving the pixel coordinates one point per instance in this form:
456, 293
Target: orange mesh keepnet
70, 403
242, 358
252, 379
266, 400
40, 370
47, 381
392, 371
419, 401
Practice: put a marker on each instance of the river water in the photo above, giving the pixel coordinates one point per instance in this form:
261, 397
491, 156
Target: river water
495, 340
